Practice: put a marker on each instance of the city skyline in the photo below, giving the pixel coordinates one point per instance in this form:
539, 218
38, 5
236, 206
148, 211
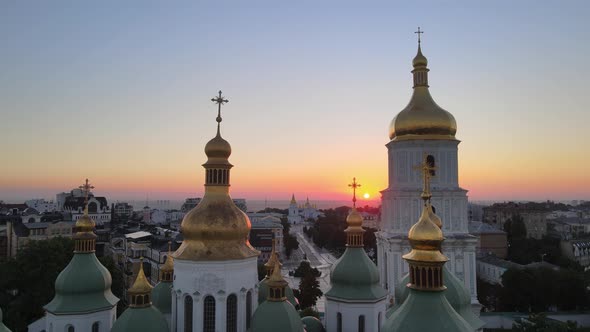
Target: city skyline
121, 95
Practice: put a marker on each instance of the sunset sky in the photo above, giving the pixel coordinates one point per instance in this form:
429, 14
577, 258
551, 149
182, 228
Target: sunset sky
119, 92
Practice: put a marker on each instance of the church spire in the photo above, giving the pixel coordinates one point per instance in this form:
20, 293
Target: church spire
218, 150
426, 260
141, 291
167, 270
354, 232
276, 283
85, 239
274, 256
420, 62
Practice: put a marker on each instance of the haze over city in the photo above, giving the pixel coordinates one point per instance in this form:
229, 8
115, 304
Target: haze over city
120, 93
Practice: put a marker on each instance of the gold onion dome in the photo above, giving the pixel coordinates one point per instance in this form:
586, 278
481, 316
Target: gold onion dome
426, 239
141, 286
422, 118
272, 259
216, 229
435, 219
354, 219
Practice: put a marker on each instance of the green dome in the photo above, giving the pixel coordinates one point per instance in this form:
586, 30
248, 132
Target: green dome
162, 297
312, 324
83, 286
456, 293
3, 327
460, 298
355, 277
147, 319
440, 315
272, 316
263, 293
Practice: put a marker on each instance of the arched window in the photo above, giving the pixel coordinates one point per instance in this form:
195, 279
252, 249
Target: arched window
92, 207
209, 314
338, 322
232, 313
188, 314
430, 162
95, 327
248, 308
70, 328
362, 323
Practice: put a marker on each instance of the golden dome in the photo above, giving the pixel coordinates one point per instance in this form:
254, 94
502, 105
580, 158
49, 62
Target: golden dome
354, 219
216, 229
217, 150
420, 59
422, 118
168, 264
85, 223
141, 284
425, 233
435, 219
274, 256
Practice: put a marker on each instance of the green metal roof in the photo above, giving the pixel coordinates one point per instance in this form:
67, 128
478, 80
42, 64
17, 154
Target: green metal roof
271, 316
312, 324
162, 297
263, 293
456, 293
83, 286
426, 311
147, 319
355, 277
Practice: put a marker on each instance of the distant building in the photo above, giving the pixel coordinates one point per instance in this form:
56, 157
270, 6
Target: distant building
41, 205
123, 210
491, 268
490, 240
576, 250
20, 234
303, 212
98, 208
534, 216
189, 204
262, 233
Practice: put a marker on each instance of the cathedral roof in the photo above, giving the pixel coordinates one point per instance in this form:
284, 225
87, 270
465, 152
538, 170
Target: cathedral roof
83, 286
422, 118
312, 324
216, 229
146, 319
162, 297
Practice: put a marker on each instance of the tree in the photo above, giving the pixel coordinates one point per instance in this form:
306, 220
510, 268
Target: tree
30, 280
305, 268
309, 290
540, 323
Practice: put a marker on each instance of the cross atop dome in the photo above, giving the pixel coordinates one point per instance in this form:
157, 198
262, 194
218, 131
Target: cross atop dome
427, 173
354, 185
219, 100
86, 187
419, 32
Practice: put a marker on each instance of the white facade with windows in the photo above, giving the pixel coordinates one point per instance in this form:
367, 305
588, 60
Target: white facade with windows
355, 317
214, 296
402, 205
100, 321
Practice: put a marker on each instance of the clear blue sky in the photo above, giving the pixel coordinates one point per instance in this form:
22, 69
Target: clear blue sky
119, 92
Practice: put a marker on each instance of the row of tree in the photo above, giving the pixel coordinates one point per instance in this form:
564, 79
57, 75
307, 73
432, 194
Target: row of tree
28, 281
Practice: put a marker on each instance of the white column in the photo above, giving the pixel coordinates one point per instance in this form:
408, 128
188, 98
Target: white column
174, 311
196, 316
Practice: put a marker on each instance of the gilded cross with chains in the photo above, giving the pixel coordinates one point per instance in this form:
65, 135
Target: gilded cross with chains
419, 32
219, 100
427, 173
354, 185
86, 187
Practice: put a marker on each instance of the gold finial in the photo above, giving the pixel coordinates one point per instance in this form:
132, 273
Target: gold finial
219, 100
272, 259
86, 187
419, 32
167, 270
276, 284
427, 173
354, 185
141, 290
354, 232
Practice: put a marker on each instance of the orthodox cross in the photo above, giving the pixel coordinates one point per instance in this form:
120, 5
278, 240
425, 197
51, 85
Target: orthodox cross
427, 171
219, 101
354, 185
86, 187
419, 32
